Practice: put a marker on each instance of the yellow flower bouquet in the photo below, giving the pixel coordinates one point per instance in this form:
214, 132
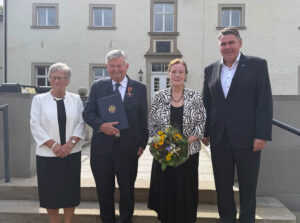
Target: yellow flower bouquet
169, 147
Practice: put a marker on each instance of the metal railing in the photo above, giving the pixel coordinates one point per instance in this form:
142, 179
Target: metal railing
286, 127
4, 108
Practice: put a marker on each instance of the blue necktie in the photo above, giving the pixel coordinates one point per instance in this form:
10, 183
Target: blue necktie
117, 85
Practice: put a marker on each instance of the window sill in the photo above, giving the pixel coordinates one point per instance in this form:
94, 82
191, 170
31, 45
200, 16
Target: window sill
173, 54
164, 33
44, 27
102, 28
237, 27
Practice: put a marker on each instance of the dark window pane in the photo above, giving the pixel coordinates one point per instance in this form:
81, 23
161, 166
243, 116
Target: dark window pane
156, 84
41, 82
163, 46
156, 67
168, 82
41, 71
165, 67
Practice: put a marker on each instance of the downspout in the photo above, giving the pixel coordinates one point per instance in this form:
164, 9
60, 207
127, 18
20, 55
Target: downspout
5, 40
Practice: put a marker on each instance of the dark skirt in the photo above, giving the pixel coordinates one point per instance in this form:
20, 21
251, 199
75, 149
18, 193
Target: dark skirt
174, 192
59, 181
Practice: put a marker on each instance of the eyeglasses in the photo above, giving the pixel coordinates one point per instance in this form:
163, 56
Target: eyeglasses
58, 78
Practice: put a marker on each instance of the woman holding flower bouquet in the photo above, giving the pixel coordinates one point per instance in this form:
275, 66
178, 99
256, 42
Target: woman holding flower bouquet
176, 123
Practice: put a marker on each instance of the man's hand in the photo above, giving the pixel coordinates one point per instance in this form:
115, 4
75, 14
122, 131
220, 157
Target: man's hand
258, 144
109, 129
140, 151
205, 141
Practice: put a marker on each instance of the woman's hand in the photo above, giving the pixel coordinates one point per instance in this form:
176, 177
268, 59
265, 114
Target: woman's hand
192, 139
68, 147
60, 151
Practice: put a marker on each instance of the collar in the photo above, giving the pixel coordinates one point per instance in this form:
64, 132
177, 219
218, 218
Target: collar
123, 83
236, 60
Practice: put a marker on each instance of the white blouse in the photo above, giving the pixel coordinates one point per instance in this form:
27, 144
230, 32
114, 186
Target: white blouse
44, 122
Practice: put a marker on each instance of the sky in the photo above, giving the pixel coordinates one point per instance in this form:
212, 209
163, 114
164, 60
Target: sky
1, 2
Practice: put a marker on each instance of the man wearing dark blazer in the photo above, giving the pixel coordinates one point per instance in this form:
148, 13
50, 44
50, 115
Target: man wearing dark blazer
238, 99
115, 152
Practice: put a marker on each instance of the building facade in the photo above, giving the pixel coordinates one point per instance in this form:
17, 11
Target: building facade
152, 32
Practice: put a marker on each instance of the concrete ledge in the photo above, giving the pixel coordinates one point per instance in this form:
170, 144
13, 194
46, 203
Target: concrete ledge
269, 210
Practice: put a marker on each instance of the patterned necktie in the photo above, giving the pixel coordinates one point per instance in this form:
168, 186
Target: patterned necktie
117, 85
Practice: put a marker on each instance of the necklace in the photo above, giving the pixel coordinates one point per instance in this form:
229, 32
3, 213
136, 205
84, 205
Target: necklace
176, 101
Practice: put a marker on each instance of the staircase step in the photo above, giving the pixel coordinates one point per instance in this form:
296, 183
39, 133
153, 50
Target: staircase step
27, 190
269, 210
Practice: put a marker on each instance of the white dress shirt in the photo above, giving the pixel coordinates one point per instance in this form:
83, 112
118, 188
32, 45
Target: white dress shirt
227, 74
122, 88
44, 123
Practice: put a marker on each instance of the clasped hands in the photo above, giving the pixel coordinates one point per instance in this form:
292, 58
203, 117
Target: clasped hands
63, 150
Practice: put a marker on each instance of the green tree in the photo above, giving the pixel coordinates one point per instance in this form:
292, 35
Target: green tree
1, 9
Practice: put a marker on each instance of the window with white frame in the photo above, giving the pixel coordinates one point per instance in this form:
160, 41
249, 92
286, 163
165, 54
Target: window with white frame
102, 16
163, 17
232, 15
159, 77
99, 73
45, 15
41, 73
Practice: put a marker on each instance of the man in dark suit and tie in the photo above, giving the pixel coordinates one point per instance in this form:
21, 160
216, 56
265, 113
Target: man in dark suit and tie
115, 152
238, 99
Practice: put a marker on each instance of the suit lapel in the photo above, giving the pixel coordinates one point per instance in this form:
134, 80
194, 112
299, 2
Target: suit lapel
239, 70
110, 88
216, 75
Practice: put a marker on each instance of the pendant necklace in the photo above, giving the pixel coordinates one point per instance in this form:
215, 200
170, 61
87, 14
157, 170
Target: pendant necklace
176, 101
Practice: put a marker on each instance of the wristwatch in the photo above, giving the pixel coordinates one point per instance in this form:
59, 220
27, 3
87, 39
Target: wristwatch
73, 141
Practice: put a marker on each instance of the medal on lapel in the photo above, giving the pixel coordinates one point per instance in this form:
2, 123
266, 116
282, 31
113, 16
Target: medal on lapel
129, 94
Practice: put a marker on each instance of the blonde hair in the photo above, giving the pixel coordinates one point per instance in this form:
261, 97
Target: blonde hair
177, 61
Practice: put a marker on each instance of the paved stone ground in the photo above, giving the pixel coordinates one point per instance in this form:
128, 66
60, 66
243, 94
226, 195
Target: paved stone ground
144, 171
144, 168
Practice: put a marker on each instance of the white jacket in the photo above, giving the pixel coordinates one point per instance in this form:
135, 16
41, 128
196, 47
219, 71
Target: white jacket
44, 123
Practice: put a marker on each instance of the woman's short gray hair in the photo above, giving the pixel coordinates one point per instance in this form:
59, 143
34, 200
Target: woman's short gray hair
115, 54
60, 67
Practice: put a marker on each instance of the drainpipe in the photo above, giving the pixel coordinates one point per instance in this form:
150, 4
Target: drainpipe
5, 39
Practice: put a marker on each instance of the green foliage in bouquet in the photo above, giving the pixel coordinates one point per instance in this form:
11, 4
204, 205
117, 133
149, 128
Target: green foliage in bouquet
169, 147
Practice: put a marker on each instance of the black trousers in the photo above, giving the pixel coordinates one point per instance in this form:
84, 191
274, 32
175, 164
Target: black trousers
224, 159
105, 168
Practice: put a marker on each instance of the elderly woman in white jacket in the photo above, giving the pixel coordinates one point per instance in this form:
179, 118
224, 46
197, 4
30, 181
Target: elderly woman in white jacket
58, 129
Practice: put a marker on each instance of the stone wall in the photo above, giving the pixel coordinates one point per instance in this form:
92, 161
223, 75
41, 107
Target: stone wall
280, 161
21, 143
